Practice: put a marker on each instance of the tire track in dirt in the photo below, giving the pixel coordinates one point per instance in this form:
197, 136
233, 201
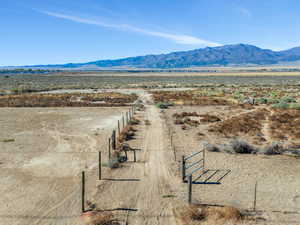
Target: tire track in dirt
139, 188
152, 207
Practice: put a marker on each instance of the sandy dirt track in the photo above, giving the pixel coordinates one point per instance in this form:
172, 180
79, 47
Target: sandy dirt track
137, 190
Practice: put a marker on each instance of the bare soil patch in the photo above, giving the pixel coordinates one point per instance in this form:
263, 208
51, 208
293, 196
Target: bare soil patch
41, 169
231, 178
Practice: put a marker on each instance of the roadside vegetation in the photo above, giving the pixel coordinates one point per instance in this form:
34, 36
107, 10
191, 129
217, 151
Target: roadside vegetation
107, 99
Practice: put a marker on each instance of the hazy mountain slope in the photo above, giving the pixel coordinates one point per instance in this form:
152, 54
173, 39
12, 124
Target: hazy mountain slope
240, 54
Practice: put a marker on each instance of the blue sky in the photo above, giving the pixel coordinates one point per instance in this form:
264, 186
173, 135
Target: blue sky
62, 31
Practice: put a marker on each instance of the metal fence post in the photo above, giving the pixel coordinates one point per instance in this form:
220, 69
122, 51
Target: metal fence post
254, 203
114, 139
119, 131
83, 191
183, 168
109, 148
190, 183
100, 166
203, 159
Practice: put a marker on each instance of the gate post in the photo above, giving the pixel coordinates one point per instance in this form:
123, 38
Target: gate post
100, 166
190, 183
82, 191
109, 148
114, 139
183, 168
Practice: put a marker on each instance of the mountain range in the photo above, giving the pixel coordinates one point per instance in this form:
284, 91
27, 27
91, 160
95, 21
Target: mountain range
227, 55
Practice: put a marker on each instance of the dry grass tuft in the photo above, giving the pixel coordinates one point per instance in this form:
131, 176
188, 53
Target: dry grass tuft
285, 123
209, 118
222, 213
67, 100
127, 134
209, 215
246, 123
134, 121
98, 218
185, 114
187, 98
183, 118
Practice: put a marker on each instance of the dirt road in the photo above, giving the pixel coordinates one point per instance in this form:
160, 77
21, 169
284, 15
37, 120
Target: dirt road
142, 189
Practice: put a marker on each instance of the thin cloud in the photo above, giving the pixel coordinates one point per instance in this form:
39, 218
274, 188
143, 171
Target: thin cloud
181, 39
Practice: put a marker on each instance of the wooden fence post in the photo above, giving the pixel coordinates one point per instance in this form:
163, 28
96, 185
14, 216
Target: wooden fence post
127, 118
190, 183
183, 168
82, 191
123, 121
114, 139
100, 166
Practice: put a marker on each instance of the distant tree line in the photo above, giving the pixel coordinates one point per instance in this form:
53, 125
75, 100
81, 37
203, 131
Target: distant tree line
27, 71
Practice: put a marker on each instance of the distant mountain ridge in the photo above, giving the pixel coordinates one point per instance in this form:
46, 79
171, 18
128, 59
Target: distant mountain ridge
239, 54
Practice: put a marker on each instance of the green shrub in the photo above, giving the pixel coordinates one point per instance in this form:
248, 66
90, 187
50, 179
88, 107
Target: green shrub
295, 106
281, 105
7, 140
254, 94
273, 100
163, 105
287, 99
273, 94
262, 100
113, 163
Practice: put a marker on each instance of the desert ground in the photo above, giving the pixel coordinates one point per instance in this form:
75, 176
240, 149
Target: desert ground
41, 168
48, 138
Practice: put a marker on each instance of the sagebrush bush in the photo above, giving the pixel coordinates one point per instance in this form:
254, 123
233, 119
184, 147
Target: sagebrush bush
262, 100
210, 147
287, 99
295, 106
163, 105
273, 149
113, 163
281, 105
242, 147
